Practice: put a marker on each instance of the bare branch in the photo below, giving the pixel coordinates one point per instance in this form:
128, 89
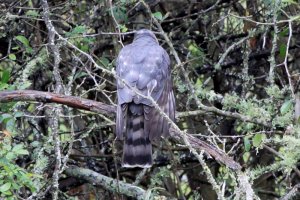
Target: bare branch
48, 97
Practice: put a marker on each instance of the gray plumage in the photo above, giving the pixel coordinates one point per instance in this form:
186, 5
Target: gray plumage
145, 66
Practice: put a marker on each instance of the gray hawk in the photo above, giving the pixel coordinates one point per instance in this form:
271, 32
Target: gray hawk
145, 66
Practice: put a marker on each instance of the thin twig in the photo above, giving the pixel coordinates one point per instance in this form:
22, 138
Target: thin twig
286, 59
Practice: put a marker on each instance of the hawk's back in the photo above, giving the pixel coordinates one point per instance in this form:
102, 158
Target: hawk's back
144, 66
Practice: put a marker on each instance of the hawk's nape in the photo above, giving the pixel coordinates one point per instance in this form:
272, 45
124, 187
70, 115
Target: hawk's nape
145, 66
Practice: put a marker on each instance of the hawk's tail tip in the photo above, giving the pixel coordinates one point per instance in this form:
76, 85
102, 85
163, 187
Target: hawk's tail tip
137, 155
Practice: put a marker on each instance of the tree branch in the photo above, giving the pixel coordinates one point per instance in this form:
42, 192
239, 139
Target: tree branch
98, 107
48, 97
108, 183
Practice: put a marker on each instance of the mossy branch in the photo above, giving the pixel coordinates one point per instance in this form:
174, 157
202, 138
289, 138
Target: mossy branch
108, 183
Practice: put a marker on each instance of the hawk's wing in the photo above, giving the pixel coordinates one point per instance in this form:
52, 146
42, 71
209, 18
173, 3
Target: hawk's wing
147, 69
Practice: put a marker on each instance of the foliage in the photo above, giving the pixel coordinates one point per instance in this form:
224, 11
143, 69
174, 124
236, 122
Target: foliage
12, 177
242, 67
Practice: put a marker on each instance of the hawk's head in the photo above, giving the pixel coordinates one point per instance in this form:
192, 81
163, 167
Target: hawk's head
144, 33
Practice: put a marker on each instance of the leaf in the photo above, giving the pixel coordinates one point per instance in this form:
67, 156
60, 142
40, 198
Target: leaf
5, 187
104, 62
284, 32
246, 156
10, 156
29, 50
158, 15
84, 47
15, 48
32, 13
124, 29
18, 114
5, 76
5, 117
10, 125
120, 14
282, 51
290, 2
22, 152
79, 30
247, 144
12, 56
258, 139
17, 147
286, 106
3, 86
80, 74
23, 40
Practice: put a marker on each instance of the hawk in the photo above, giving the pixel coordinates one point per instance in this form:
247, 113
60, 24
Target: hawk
145, 66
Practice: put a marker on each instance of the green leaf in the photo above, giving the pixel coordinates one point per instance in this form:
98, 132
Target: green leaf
120, 14
29, 50
80, 74
258, 139
247, 144
5, 76
104, 62
79, 30
5, 187
10, 125
23, 40
123, 28
158, 15
18, 114
246, 156
282, 51
12, 56
10, 156
22, 152
290, 2
284, 32
17, 147
286, 106
84, 47
5, 117
3, 86
32, 13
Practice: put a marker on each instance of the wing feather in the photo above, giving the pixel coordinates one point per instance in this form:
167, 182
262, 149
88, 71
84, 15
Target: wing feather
148, 70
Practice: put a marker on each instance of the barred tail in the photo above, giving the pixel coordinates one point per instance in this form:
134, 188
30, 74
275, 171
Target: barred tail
137, 150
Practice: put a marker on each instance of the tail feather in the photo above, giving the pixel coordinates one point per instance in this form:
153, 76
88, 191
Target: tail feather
137, 150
